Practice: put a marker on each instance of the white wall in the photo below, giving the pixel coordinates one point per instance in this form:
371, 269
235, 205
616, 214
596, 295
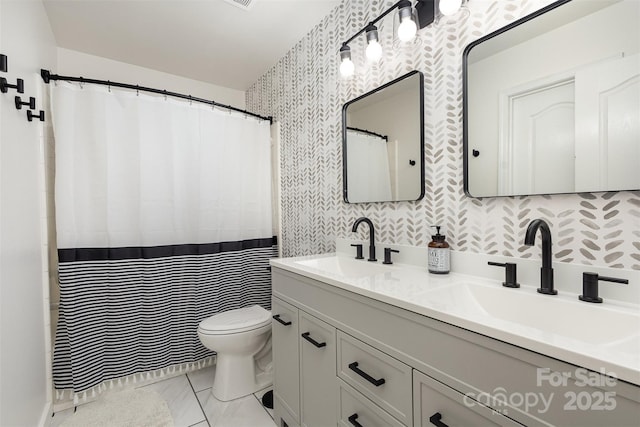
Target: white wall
25, 391
73, 63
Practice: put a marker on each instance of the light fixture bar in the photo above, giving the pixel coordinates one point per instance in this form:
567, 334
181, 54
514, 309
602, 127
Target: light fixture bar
426, 15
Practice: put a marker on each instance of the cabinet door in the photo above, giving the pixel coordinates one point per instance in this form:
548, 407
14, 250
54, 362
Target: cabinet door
436, 404
286, 375
317, 372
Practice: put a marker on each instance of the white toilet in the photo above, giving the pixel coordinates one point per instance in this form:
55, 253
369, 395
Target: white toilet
242, 340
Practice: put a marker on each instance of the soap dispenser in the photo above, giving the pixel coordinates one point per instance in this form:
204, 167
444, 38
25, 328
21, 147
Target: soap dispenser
439, 257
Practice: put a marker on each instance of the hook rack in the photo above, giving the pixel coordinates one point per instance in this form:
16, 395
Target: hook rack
31, 116
19, 103
4, 86
3, 63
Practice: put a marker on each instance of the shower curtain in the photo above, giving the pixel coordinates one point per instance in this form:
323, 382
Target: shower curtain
163, 217
368, 173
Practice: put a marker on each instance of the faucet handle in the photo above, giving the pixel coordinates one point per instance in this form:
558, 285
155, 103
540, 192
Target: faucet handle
590, 286
511, 274
387, 255
358, 251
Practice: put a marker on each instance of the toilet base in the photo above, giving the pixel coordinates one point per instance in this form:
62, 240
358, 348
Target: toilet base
236, 377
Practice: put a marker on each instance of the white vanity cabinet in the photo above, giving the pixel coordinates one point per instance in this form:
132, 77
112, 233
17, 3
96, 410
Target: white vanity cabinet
304, 357
434, 373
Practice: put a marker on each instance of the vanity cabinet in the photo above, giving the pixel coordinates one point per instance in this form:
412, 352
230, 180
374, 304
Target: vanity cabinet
304, 358
429, 367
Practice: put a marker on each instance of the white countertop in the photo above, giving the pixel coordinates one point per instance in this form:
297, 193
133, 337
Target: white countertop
601, 337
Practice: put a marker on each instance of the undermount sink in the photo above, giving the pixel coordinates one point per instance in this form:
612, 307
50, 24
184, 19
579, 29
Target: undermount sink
571, 319
343, 266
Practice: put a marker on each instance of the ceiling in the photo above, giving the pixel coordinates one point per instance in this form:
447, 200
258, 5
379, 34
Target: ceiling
207, 40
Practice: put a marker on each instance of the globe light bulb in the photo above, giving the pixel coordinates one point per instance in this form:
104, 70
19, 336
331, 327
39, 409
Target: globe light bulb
407, 29
347, 68
374, 51
449, 7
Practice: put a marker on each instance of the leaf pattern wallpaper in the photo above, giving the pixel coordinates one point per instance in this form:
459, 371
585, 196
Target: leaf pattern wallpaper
305, 93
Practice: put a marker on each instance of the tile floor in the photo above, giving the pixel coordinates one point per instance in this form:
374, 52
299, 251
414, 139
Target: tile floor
192, 405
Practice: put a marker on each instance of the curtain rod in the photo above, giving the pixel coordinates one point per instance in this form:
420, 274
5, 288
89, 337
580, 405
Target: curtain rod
368, 132
47, 77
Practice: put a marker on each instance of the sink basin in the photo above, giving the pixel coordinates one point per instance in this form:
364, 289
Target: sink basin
343, 266
567, 318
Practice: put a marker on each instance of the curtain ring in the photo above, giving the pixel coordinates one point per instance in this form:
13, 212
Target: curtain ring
137, 90
165, 94
81, 84
190, 100
109, 86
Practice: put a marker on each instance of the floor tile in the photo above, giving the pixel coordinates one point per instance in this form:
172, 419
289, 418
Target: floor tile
59, 417
202, 378
243, 412
182, 403
259, 395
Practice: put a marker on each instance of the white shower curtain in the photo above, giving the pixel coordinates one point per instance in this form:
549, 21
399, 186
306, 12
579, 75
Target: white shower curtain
163, 213
368, 175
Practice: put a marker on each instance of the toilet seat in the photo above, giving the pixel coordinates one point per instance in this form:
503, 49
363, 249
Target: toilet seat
236, 321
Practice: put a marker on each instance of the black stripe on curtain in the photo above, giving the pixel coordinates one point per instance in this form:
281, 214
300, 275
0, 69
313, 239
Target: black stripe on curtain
122, 315
148, 252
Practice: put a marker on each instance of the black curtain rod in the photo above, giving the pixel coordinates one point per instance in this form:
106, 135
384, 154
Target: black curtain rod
368, 132
47, 77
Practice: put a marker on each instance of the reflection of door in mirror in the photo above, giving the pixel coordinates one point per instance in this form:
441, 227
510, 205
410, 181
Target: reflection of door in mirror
608, 125
537, 121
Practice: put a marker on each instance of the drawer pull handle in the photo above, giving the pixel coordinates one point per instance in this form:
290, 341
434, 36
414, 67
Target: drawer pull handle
352, 419
435, 420
279, 320
312, 341
354, 367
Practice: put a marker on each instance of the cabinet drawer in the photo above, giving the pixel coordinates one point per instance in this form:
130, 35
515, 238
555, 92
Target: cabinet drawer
379, 377
355, 410
286, 376
439, 405
317, 372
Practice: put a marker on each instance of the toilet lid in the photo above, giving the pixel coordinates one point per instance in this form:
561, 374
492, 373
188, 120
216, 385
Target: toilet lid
238, 320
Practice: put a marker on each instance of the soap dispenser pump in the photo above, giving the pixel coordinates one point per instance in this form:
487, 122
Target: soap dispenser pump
439, 256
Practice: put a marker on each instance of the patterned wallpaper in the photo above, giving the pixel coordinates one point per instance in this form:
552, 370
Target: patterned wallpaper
305, 92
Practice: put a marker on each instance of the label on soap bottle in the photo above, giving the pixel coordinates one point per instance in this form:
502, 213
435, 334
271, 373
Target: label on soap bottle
439, 262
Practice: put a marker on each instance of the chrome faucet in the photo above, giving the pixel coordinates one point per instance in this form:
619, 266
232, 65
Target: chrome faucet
372, 239
546, 272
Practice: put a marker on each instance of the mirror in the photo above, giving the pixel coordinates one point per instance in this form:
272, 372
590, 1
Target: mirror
382, 143
552, 102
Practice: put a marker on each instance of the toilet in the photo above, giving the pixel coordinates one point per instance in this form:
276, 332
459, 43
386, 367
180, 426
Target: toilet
242, 340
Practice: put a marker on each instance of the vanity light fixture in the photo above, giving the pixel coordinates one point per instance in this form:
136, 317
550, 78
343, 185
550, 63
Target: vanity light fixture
374, 49
346, 65
408, 22
449, 7
408, 28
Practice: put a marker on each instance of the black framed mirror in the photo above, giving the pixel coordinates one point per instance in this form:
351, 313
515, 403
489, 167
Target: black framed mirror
552, 102
383, 143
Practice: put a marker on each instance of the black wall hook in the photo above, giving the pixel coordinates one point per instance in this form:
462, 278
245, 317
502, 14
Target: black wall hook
475, 153
412, 162
30, 115
3, 63
19, 103
4, 86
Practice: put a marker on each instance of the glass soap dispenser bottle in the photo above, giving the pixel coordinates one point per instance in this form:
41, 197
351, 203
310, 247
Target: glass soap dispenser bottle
438, 252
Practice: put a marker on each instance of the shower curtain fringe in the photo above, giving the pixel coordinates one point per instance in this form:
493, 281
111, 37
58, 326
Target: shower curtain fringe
122, 383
